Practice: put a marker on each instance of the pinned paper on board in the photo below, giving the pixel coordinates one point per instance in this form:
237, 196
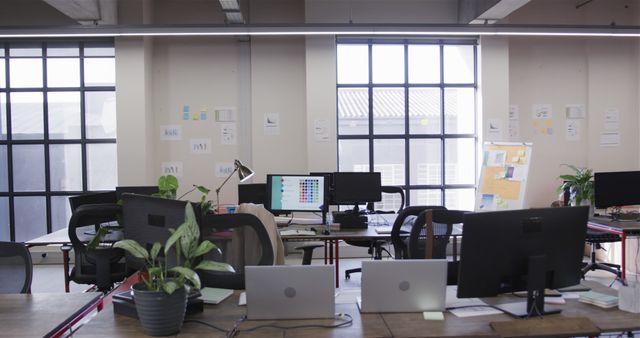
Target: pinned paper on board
514, 112
200, 146
185, 112
171, 133
541, 111
225, 114
171, 168
272, 124
575, 111
612, 115
321, 130
542, 127
572, 132
203, 113
494, 129
228, 134
224, 169
514, 129
610, 139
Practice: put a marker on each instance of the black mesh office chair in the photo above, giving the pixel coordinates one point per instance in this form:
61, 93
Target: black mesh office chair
376, 247
595, 238
228, 231
403, 224
16, 269
102, 266
430, 235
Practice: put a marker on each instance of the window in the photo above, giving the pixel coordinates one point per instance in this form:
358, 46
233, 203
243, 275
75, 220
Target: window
407, 108
57, 131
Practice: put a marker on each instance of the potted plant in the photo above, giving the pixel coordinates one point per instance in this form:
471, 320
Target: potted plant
168, 187
161, 298
579, 184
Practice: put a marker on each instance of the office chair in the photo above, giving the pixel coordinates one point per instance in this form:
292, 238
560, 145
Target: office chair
16, 268
595, 238
231, 232
403, 224
376, 246
101, 266
430, 236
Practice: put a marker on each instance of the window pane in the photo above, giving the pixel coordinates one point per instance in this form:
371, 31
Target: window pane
31, 220
4, 183
354, 155
353, 111
388, 63
388, 110
60, 212
63, 49
424, 64
459, 157
459, 111
389, 202
28, 167
426, 197
65, 165
27, 116
388, 159
3, 116
5, 232
102, 166
98, 49
25, 49
25, 73
460, 199
3, 74
353, 64
424, 110
1, 49
426, 165
100, 112
63, 72
100, 72
64, 115
458, 64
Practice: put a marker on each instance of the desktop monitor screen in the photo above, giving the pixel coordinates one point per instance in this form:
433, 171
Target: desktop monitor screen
356, 188
252, 193
521, 250
287, 193
616, 189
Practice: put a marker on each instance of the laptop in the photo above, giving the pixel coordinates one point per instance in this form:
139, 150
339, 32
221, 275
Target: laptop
404, 285
290, 291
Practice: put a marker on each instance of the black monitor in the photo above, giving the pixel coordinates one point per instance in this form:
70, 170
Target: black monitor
353, 188
616, 189
289, 193
252, 193
140, 190
522, 250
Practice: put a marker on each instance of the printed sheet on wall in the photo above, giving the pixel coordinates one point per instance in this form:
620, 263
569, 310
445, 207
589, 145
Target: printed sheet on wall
503, 177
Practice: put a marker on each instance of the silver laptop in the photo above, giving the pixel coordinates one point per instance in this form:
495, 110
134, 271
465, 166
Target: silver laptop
290, 291
404, 285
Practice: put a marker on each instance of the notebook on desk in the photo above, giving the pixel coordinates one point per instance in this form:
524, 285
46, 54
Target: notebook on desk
290, 291
404, 285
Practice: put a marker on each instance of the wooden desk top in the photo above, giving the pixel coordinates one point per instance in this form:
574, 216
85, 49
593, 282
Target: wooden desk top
41, 314
628, 227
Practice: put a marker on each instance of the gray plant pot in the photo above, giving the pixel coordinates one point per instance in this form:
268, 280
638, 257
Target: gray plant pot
160, 314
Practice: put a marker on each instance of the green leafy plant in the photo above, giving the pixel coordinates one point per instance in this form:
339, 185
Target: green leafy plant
168, 186
185, 242
579, 184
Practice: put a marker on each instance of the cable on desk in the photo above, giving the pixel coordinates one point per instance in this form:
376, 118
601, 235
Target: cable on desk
467, 306
341, 316
205, 324
234, 330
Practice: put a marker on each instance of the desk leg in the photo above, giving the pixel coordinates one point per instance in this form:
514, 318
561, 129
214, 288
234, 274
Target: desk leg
65, 268
337, 264
623, 274
455, 248
326, 255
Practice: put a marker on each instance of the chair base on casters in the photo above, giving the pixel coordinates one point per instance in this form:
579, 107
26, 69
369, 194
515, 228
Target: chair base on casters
593, 265
377, 246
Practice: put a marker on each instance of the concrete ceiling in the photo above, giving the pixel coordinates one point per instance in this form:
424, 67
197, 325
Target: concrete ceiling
88, 12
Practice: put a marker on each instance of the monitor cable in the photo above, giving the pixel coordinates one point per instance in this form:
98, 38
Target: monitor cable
345, 321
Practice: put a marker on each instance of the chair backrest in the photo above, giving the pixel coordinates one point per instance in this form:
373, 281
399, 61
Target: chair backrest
389, 189
430, 233
92, 198
269, 222
16, 269
228, 232
406, 215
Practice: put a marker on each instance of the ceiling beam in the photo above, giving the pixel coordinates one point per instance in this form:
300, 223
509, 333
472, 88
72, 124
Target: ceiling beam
88, 12
486, 11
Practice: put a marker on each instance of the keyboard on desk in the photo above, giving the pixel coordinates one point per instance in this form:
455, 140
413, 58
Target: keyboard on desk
297, 232
386, 229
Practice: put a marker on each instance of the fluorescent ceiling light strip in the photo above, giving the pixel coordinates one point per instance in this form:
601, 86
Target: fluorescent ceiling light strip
450, 30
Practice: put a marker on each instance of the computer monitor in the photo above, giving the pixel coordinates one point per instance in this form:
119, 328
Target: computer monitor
616, 189
140, 190
289, 193
522, 250
353, 188
255, 193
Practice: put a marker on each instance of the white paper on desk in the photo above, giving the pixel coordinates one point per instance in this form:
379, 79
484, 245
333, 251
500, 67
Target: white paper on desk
467, 307
347, 296
475, 311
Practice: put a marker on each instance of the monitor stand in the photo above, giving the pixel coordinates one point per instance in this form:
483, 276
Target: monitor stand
534, 306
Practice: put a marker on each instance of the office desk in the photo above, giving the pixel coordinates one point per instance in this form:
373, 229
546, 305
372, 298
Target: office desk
576, 319
620, 228
61, 237
44, 314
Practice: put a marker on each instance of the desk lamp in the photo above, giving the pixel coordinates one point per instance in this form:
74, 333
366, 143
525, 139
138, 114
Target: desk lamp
244, 173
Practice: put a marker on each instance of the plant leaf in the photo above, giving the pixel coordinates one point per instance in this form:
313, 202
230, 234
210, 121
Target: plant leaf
203, 248
93, 244
189, 274
170, 286
214, 266
191, 235
203, 189
175, 236
155, 250
133, 248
